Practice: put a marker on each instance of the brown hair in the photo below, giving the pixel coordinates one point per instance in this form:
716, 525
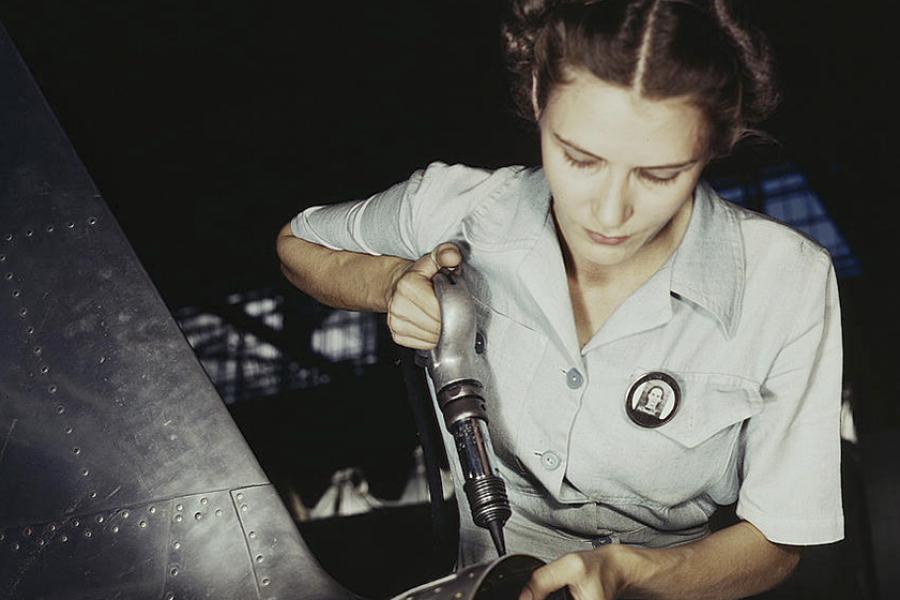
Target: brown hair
661, 48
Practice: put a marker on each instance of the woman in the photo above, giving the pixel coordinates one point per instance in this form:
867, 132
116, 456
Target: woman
612, 271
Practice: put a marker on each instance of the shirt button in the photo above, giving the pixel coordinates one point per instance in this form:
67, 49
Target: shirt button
550, 460
574, 378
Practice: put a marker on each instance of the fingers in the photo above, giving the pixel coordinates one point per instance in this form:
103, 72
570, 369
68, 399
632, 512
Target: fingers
577, 571
414, 315
446, 255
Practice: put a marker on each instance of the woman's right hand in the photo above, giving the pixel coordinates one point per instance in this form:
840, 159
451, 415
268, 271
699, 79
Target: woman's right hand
413, 313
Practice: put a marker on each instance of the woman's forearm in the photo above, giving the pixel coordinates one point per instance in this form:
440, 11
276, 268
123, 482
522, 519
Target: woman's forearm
736, 562
347, 280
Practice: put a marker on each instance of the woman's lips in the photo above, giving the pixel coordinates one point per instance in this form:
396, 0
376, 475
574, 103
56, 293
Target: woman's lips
606, 241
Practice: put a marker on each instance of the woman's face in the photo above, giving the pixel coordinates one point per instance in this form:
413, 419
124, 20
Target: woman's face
621, 168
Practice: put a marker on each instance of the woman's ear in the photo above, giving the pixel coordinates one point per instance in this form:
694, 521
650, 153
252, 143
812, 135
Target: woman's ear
534, 100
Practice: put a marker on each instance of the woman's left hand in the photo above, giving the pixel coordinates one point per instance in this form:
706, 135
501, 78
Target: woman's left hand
599, 574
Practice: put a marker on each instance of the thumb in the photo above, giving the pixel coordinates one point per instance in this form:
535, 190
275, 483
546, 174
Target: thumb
446, 255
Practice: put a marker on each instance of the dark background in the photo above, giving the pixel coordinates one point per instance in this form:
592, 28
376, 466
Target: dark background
207, 125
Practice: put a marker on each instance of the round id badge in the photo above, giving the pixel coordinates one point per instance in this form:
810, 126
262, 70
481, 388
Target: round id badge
653, 399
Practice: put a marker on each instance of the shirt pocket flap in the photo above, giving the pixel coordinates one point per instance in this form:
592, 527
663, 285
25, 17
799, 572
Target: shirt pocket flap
709, 405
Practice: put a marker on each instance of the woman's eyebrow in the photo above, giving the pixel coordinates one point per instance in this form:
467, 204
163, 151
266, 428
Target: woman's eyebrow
569, 144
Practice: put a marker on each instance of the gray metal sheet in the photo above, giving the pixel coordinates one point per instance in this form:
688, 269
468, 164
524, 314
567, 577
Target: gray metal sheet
117, 457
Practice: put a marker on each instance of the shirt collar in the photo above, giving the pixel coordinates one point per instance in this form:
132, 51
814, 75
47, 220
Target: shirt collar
708, 265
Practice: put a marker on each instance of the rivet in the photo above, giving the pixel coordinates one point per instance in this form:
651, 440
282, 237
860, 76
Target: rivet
174, 572
100, 519
170, 596
64, 538
15, 546
16, 293
152, 510
50, 228
68, 431
70, 225
178, 518
143, 524
45, 369
438, 590
75, 522
52, 528
125, 514
37, 349
177, 545
60, 409
244, 507
252, 535
240, 496
93, 494
259, 558
218, 512
85, 472
2, 536
204, 501
198, 516
87, 533
102, 360
179, 507
2, 258
457, 595
266, 581
29, 233
52, 389
115, 529
92, 221
8, 237
8, 276
27, 531
76, 450
30, 330
23, 312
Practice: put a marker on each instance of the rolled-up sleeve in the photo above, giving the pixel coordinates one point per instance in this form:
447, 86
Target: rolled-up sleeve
791, 483
406, 220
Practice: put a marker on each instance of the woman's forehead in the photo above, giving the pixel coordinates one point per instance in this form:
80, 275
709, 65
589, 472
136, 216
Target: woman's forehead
620, 125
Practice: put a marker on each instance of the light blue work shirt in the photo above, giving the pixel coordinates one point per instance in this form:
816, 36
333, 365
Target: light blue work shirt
744, 317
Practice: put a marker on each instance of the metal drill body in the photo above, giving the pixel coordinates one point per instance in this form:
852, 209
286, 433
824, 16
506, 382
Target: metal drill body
454, 371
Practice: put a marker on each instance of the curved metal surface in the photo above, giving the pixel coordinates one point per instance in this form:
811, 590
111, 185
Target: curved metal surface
501, 579
121, 473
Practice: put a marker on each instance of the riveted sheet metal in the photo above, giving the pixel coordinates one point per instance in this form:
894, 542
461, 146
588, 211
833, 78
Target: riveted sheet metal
103, 402
277, 550
88, 556
104, 410
207, 557
501, 579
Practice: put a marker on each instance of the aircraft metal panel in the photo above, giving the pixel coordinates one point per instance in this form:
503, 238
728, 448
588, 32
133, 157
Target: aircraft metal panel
107, 554
207, 556
114, 445
103, 402
277, 549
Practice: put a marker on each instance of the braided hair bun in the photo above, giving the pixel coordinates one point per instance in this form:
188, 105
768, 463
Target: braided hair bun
697, 49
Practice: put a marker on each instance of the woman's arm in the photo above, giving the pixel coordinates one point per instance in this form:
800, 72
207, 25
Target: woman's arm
355, 281
342, 279
736, 562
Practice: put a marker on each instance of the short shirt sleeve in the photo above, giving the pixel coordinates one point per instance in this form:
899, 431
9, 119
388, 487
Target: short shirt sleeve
407, 220
791, 482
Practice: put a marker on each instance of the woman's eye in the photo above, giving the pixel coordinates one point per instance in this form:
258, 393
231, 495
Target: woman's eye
659, 180
578, 164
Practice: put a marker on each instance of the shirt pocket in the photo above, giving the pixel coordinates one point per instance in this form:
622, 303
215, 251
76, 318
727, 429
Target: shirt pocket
712, 406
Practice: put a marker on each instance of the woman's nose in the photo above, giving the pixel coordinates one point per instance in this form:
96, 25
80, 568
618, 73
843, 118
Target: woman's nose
611, 205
